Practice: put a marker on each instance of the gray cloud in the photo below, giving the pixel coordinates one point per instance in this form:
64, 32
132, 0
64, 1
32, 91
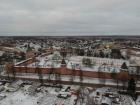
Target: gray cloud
69, 17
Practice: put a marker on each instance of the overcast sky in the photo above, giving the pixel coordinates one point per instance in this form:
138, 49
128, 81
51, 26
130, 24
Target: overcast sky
69, 17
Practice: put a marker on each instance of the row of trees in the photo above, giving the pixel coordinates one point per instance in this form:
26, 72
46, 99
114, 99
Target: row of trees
114, 53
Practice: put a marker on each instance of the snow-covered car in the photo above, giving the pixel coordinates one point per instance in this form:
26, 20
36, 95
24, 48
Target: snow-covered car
28, 82
65, 96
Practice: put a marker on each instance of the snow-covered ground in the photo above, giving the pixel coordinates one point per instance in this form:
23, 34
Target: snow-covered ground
18, 98
75, 62
98, 60
46, 96
49, 95
111, 65
105, 96
94, 68
46, 62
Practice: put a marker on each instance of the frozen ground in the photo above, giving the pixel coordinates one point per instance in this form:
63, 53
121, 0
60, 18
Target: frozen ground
46, 96
18, 98
105, 96
111, 65
75, 62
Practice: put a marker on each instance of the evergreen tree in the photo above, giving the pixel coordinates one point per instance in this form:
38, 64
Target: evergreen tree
23, 56
87, 62
124, 66
81, 52
102, 54
131, 87
89, 53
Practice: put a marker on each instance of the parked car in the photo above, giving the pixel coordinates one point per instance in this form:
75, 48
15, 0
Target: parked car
65, 96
